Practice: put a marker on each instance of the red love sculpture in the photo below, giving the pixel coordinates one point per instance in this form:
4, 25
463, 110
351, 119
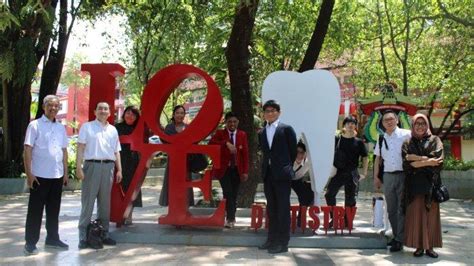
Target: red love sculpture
154, 98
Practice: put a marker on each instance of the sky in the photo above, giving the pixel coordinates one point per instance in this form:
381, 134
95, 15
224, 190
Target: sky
89, 39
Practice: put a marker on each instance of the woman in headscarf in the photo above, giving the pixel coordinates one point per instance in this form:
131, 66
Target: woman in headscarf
422, 162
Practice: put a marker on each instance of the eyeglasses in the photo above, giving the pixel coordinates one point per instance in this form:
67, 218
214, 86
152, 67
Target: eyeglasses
420, 124
269, 111
388, 119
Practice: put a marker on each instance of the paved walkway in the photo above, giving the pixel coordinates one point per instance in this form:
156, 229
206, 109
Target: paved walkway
457, 219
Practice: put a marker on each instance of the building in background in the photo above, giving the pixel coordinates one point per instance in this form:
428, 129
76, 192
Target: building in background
74, 104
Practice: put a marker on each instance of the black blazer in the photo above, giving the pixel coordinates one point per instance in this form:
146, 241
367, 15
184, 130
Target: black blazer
282, 154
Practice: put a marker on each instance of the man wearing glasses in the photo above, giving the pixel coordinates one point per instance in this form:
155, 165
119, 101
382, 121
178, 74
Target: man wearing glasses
278, 144
393, 176
45, 161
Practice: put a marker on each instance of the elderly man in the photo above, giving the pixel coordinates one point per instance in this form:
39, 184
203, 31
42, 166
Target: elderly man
45, 161
99, 147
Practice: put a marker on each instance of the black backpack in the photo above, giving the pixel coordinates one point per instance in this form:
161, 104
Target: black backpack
381, 162
340, 159
95, 234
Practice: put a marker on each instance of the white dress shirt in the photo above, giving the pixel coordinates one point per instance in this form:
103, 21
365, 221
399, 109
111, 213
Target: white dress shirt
102, 142
47, 139
305, 165
270, 129
233, 136
393, 156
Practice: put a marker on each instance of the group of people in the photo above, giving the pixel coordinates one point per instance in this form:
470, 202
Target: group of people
410, 159
100, 157
46, 167
412, 162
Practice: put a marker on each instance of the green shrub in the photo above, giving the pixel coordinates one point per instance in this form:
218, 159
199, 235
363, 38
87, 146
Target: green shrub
71, 159
11, 169
451, 163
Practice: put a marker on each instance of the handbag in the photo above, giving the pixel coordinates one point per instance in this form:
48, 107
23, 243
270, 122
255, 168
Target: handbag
95, 234
197, 162
440, 193
378, 212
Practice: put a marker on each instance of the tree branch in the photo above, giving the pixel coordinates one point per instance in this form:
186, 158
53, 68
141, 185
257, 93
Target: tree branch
453, 124
380, 33
450, 109
452, 17
392, 37
317, 39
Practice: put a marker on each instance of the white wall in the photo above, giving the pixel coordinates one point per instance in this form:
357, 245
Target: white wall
467, 150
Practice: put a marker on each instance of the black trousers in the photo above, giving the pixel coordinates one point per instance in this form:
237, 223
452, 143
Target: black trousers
46, 194
277, 193
350, 188
304, 193
230, 183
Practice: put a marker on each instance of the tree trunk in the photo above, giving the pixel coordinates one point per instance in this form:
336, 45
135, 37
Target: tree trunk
380, 37
5, 155
18, 106
54, 65
317, 39
238, 56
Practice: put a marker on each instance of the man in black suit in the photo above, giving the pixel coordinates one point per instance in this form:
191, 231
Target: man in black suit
278, 144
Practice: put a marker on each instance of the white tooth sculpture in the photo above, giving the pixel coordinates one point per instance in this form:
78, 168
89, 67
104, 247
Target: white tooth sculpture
310, 103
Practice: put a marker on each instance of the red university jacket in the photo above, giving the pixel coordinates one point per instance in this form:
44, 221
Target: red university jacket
221, 137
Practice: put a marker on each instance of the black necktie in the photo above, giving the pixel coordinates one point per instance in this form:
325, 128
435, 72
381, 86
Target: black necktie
232, 156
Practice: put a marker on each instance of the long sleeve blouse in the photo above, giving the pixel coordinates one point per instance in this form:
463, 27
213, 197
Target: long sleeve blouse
422, 179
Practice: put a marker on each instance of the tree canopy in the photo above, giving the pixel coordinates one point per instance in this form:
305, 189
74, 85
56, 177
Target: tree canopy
423, 46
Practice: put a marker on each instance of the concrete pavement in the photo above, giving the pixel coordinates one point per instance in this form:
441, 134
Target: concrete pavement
457, 219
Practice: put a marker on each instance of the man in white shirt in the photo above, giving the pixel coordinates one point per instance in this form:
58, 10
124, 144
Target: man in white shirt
393, 176
45, 161
99, 147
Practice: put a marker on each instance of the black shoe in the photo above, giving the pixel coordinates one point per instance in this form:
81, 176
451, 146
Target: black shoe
56, 244
391, 242
278, 249
82, 244
265, 245
30, 249
331, 225
397, 246
109, 242
431, 253
418, 252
